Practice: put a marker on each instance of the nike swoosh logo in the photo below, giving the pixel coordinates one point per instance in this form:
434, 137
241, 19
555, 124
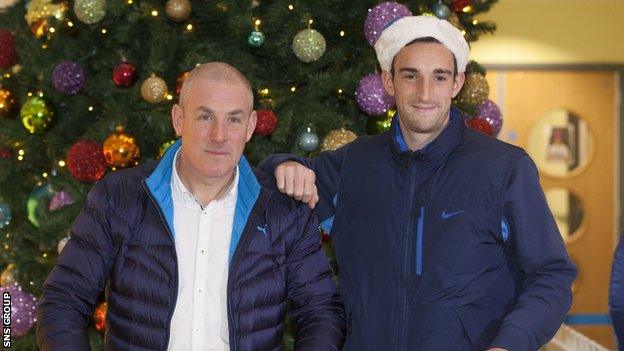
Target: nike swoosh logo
448, 215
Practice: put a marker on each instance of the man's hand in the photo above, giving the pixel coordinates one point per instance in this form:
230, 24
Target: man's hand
297, 180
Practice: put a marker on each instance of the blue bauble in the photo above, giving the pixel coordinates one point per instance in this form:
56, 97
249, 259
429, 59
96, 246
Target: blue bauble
441, 10
308, 140
38, 202
5, 215
255, 39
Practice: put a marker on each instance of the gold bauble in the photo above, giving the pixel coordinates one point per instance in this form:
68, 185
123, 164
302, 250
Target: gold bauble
475, 90
154, 89
121, 149
163, 148
39, 11
178, 10
8, 275
337, 138
7, 102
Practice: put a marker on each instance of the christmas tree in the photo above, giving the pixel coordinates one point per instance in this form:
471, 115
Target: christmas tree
87, 87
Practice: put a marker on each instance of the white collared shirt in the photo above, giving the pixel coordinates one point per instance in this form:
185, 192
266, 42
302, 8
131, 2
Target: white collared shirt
202, 242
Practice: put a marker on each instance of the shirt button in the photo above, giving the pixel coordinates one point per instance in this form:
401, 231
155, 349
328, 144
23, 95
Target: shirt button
199, 290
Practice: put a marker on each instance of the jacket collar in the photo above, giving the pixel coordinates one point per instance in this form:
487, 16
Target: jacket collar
433, 152
159, 184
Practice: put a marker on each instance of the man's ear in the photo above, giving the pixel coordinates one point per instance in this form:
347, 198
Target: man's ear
253, 119
388, 84
458, 83
176, 119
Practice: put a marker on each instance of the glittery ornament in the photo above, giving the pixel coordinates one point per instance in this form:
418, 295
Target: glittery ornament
267, 122
23, 314
36, 114
99, 318
255, 39
489, 112
380, 17
121, 150
480, 125
90, 11
60, 200
61, 244
7, 103
441, 10
308, 45
5, 215
7, 278
337, 138
154, 89
125, 75
178, 10
180, 82
68, 77
8, 54
38, 13
475, 90
85, 161
308, 140
163, 148
379, 124
37, 203
371, 95
459, 5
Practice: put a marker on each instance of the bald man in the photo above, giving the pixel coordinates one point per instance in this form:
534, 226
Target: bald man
196, 251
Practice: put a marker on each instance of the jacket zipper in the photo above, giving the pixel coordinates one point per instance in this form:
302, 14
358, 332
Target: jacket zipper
405, 269
242, 245
419, 241
175, 258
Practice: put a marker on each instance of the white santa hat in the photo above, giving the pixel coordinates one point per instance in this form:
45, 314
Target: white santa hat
409, 28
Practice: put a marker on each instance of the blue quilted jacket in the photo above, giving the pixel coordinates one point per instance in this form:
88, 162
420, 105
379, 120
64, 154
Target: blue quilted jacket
123, 243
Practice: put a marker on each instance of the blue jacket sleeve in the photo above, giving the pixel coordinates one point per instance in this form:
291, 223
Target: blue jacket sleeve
71, 290
316, 308
545, 270
616, 294
328, 168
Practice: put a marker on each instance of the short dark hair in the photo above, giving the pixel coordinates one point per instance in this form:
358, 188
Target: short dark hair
426, 40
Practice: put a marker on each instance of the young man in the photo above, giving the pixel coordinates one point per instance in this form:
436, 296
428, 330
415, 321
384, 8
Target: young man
196, 251
443, 236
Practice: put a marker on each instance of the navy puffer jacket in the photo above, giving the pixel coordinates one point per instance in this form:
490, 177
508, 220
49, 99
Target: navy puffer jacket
123, 242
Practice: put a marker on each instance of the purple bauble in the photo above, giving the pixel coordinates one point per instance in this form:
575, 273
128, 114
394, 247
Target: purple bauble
68, 77
380, 17
489, 112
23, 315
371, 95
60, 200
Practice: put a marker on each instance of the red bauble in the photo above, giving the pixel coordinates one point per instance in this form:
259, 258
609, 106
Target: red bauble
267, 122
8, 55
480, 125
99, 318
181, 79
6, 153
85, 161
458, 5
125, 75
325, 238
